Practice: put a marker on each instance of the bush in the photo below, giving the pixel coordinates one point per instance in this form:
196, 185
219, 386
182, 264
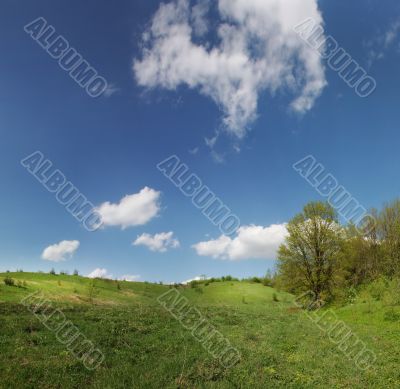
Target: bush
275, 297
9, 281
391, 316
53, 272
378, 288
76, 272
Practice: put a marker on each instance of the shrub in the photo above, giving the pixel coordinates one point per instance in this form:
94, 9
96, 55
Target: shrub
275, 297
53, 272
9, 281
76, 272
378, 288
391, 316
266, 281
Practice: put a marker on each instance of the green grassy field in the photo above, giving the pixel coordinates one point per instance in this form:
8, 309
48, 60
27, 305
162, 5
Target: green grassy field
145, 347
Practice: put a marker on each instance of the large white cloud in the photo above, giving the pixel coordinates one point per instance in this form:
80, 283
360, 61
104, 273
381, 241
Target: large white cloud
251, 242
256, 51
159, 242
133, 210
60, 251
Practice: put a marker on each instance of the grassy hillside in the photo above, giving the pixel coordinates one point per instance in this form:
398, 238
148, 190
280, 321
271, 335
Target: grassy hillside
145, 347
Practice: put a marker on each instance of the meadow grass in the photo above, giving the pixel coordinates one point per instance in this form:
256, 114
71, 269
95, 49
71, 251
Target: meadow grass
145, 347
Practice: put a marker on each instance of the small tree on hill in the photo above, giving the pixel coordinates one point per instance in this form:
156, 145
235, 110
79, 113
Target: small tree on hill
93, 291
307, 260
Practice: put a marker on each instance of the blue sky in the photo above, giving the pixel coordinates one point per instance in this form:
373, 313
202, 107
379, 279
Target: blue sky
109, 146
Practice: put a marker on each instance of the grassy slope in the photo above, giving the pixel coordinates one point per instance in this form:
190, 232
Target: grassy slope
146, 348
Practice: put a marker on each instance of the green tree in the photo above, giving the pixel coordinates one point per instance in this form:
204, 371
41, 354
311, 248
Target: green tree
362, 255
389, 235
307, 260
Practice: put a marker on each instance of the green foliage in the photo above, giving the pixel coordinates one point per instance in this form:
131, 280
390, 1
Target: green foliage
147, 347
392, 316
308, 258
9, 281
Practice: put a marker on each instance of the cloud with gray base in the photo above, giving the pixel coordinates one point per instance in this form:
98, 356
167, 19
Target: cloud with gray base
256, 51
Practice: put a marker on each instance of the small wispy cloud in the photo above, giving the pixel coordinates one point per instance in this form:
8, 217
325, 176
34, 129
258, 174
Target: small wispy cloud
159, 242
111, 90
383, 42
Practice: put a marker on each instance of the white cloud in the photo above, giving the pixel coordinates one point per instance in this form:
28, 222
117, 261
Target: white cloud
194, 151
60, 251
256, 51
133, 210
251, 242
198, 278
129, 277
159, 242
382, 42
103, 273
100, 273
110, 90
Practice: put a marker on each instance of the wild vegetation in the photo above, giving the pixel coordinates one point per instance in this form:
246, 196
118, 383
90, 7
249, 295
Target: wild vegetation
145, 347
355, 275
334, 261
